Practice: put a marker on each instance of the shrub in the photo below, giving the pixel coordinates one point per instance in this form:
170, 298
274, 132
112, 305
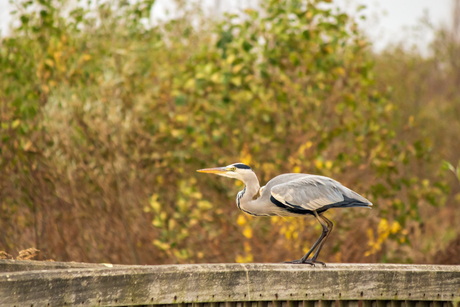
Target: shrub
105, 121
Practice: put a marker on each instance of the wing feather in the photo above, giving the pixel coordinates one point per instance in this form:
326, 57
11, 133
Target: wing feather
313, 192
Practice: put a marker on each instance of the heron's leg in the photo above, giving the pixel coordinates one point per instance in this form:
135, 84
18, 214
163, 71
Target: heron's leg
320, 239
305, 259
326, 230
330, 226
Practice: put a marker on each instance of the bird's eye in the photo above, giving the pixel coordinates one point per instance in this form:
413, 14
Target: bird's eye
233, 168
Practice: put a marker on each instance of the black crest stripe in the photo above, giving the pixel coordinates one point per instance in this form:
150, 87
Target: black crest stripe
241, 166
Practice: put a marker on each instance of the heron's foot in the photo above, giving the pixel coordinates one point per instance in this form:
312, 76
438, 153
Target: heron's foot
313, 261
299, 261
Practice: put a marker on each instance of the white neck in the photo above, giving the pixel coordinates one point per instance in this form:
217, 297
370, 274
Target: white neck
244, 198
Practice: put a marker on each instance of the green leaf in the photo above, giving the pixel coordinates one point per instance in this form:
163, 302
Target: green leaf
180, 100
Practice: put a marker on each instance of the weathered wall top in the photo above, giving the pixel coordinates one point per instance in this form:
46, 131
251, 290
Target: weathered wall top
23, 283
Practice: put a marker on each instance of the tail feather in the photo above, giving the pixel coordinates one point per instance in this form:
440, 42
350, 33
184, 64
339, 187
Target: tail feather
353, 197
350, 202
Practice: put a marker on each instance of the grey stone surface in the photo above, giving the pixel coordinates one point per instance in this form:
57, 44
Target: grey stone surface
172, 284
7, 265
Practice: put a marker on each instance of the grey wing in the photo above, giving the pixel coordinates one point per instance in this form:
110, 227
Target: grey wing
314, 192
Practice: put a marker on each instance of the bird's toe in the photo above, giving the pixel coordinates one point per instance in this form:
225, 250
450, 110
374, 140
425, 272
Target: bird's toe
299, 262
313, 262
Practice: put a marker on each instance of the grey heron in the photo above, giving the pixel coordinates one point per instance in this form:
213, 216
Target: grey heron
292, 194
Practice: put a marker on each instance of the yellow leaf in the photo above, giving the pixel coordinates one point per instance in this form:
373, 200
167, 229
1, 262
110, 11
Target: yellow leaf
236, 81
245, 157
288, 234
240, 259
383, 225
295, 235
319, 164
339, 71
176, 132
215, 78
160, 179
231, 58
154, 203
237, 68
247, 247
200, 75
28, 145
182, 204
49, 62
389, 107
181, 255
15, 123
241, 220
425, 183
297, 169
395, 227
171, 224
208, 68
247, 232
157, 223
181, 118
189, 84
196, 195
161, 245
204, 205
247, 95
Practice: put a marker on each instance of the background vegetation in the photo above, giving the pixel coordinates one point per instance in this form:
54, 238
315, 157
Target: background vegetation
105, 118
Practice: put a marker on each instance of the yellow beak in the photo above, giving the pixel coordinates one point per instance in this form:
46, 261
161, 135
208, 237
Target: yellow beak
214, 170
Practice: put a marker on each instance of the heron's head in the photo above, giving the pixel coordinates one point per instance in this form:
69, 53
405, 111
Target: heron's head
236, 170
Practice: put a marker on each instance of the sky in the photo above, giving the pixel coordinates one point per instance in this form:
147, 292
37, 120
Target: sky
388, 21
394, 21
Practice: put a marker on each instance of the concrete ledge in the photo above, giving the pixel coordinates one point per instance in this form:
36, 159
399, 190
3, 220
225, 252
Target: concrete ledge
207, 283
7, 265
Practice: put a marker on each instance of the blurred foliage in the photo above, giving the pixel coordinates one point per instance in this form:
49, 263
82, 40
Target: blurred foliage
455, 170
105, 118
426, 92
